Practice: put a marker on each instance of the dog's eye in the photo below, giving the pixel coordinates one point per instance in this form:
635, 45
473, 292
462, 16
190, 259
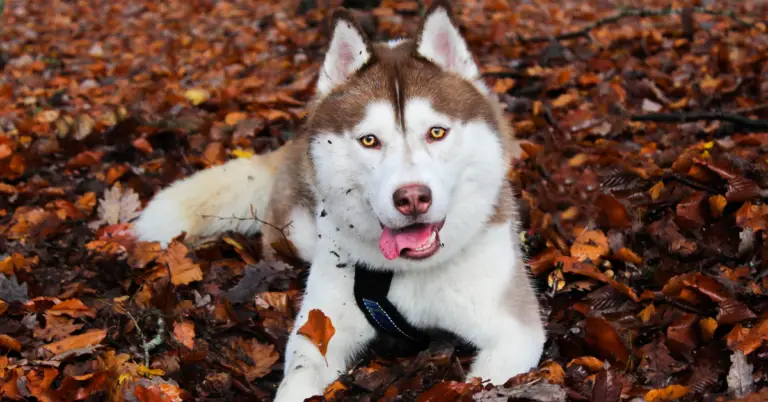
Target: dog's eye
369, 141
437, 133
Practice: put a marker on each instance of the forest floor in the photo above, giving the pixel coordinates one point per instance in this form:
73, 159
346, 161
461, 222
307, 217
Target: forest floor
642, 187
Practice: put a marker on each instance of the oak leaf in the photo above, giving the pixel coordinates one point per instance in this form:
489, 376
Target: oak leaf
318, 329
250, 358
117, 206
183, 269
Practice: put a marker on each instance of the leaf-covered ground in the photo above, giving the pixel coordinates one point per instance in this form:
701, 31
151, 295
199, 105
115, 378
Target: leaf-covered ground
642, 184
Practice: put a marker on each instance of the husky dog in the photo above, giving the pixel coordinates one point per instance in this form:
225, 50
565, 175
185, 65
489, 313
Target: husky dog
401, 166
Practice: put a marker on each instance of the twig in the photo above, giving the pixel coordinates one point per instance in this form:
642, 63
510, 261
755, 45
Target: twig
631, 12
265, 223
745, 122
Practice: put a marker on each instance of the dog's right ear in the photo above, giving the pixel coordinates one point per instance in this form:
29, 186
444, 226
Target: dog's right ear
349, 50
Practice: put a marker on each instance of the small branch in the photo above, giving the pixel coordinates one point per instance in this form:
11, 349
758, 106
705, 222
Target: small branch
631, 12
265, 223
745, 122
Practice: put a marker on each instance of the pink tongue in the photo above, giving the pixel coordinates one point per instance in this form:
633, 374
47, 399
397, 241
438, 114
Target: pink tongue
392, 244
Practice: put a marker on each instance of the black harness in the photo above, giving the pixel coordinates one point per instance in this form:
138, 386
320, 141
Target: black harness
371, 289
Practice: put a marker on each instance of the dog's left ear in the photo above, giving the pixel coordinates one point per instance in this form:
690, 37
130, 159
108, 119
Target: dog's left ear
441, 42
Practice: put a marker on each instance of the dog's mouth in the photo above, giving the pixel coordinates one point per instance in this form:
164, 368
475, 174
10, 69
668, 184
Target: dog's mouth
416, 242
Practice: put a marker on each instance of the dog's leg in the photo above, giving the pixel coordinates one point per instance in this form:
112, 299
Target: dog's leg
212, 200
307, 372
509, 349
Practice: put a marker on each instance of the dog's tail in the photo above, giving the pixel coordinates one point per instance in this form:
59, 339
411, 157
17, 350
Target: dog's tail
213, 200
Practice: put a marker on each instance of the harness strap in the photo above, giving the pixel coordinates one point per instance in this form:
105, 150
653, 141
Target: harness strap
371, 289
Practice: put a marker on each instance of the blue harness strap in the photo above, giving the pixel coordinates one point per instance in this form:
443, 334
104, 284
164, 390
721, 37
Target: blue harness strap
371, 289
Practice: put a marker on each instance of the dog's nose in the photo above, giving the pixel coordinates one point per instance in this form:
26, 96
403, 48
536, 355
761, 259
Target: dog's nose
413, 199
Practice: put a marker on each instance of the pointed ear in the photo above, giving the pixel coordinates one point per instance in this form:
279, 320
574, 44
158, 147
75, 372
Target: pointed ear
441, 42
349, 50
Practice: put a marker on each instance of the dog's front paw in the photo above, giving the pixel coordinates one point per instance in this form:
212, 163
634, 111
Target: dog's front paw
298, 387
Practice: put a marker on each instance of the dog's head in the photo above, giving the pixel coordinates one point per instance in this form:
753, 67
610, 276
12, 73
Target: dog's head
409, 149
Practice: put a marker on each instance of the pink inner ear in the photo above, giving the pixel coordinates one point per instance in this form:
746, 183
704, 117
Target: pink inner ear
344, 59
444, 48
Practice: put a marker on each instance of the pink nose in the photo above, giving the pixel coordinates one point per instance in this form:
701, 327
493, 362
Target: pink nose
413, 199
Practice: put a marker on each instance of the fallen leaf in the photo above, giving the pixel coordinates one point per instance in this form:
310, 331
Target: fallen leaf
118, 206
259, 358
197, 95
183, 269
73, 308
184, 333
86, 339
318, 329
7, 342
740, 380
590, 245
669, 393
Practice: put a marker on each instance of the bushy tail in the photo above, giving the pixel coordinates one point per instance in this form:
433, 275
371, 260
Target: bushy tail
213, 200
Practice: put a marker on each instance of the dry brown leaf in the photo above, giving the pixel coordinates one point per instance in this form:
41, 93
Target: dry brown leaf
117, 206
259, 361
84, 340
73, 308
164, 392
553, 372
7, 342
590, 245
184, 333
670, 393
564, 100
318, 329
717, 204
590, 362
183, 269
56, 328
646, 314
656, 190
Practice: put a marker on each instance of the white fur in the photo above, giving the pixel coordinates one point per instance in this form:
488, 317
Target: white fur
230, 191
346, 54
441, 42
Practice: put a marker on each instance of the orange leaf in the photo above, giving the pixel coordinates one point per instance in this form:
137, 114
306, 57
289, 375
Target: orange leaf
90, 338
647, 313
158, 393
318, 329
655, 191
445, 391
717, 204
3, 306
259, 358
670, 393
553, 372
234, 118
503, 85
9, 343
563, 100
590, 245
592, 363
184, 332
183, 269
73, 308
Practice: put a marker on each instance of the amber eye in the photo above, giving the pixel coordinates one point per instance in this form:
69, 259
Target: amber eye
437, 133
369, 141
